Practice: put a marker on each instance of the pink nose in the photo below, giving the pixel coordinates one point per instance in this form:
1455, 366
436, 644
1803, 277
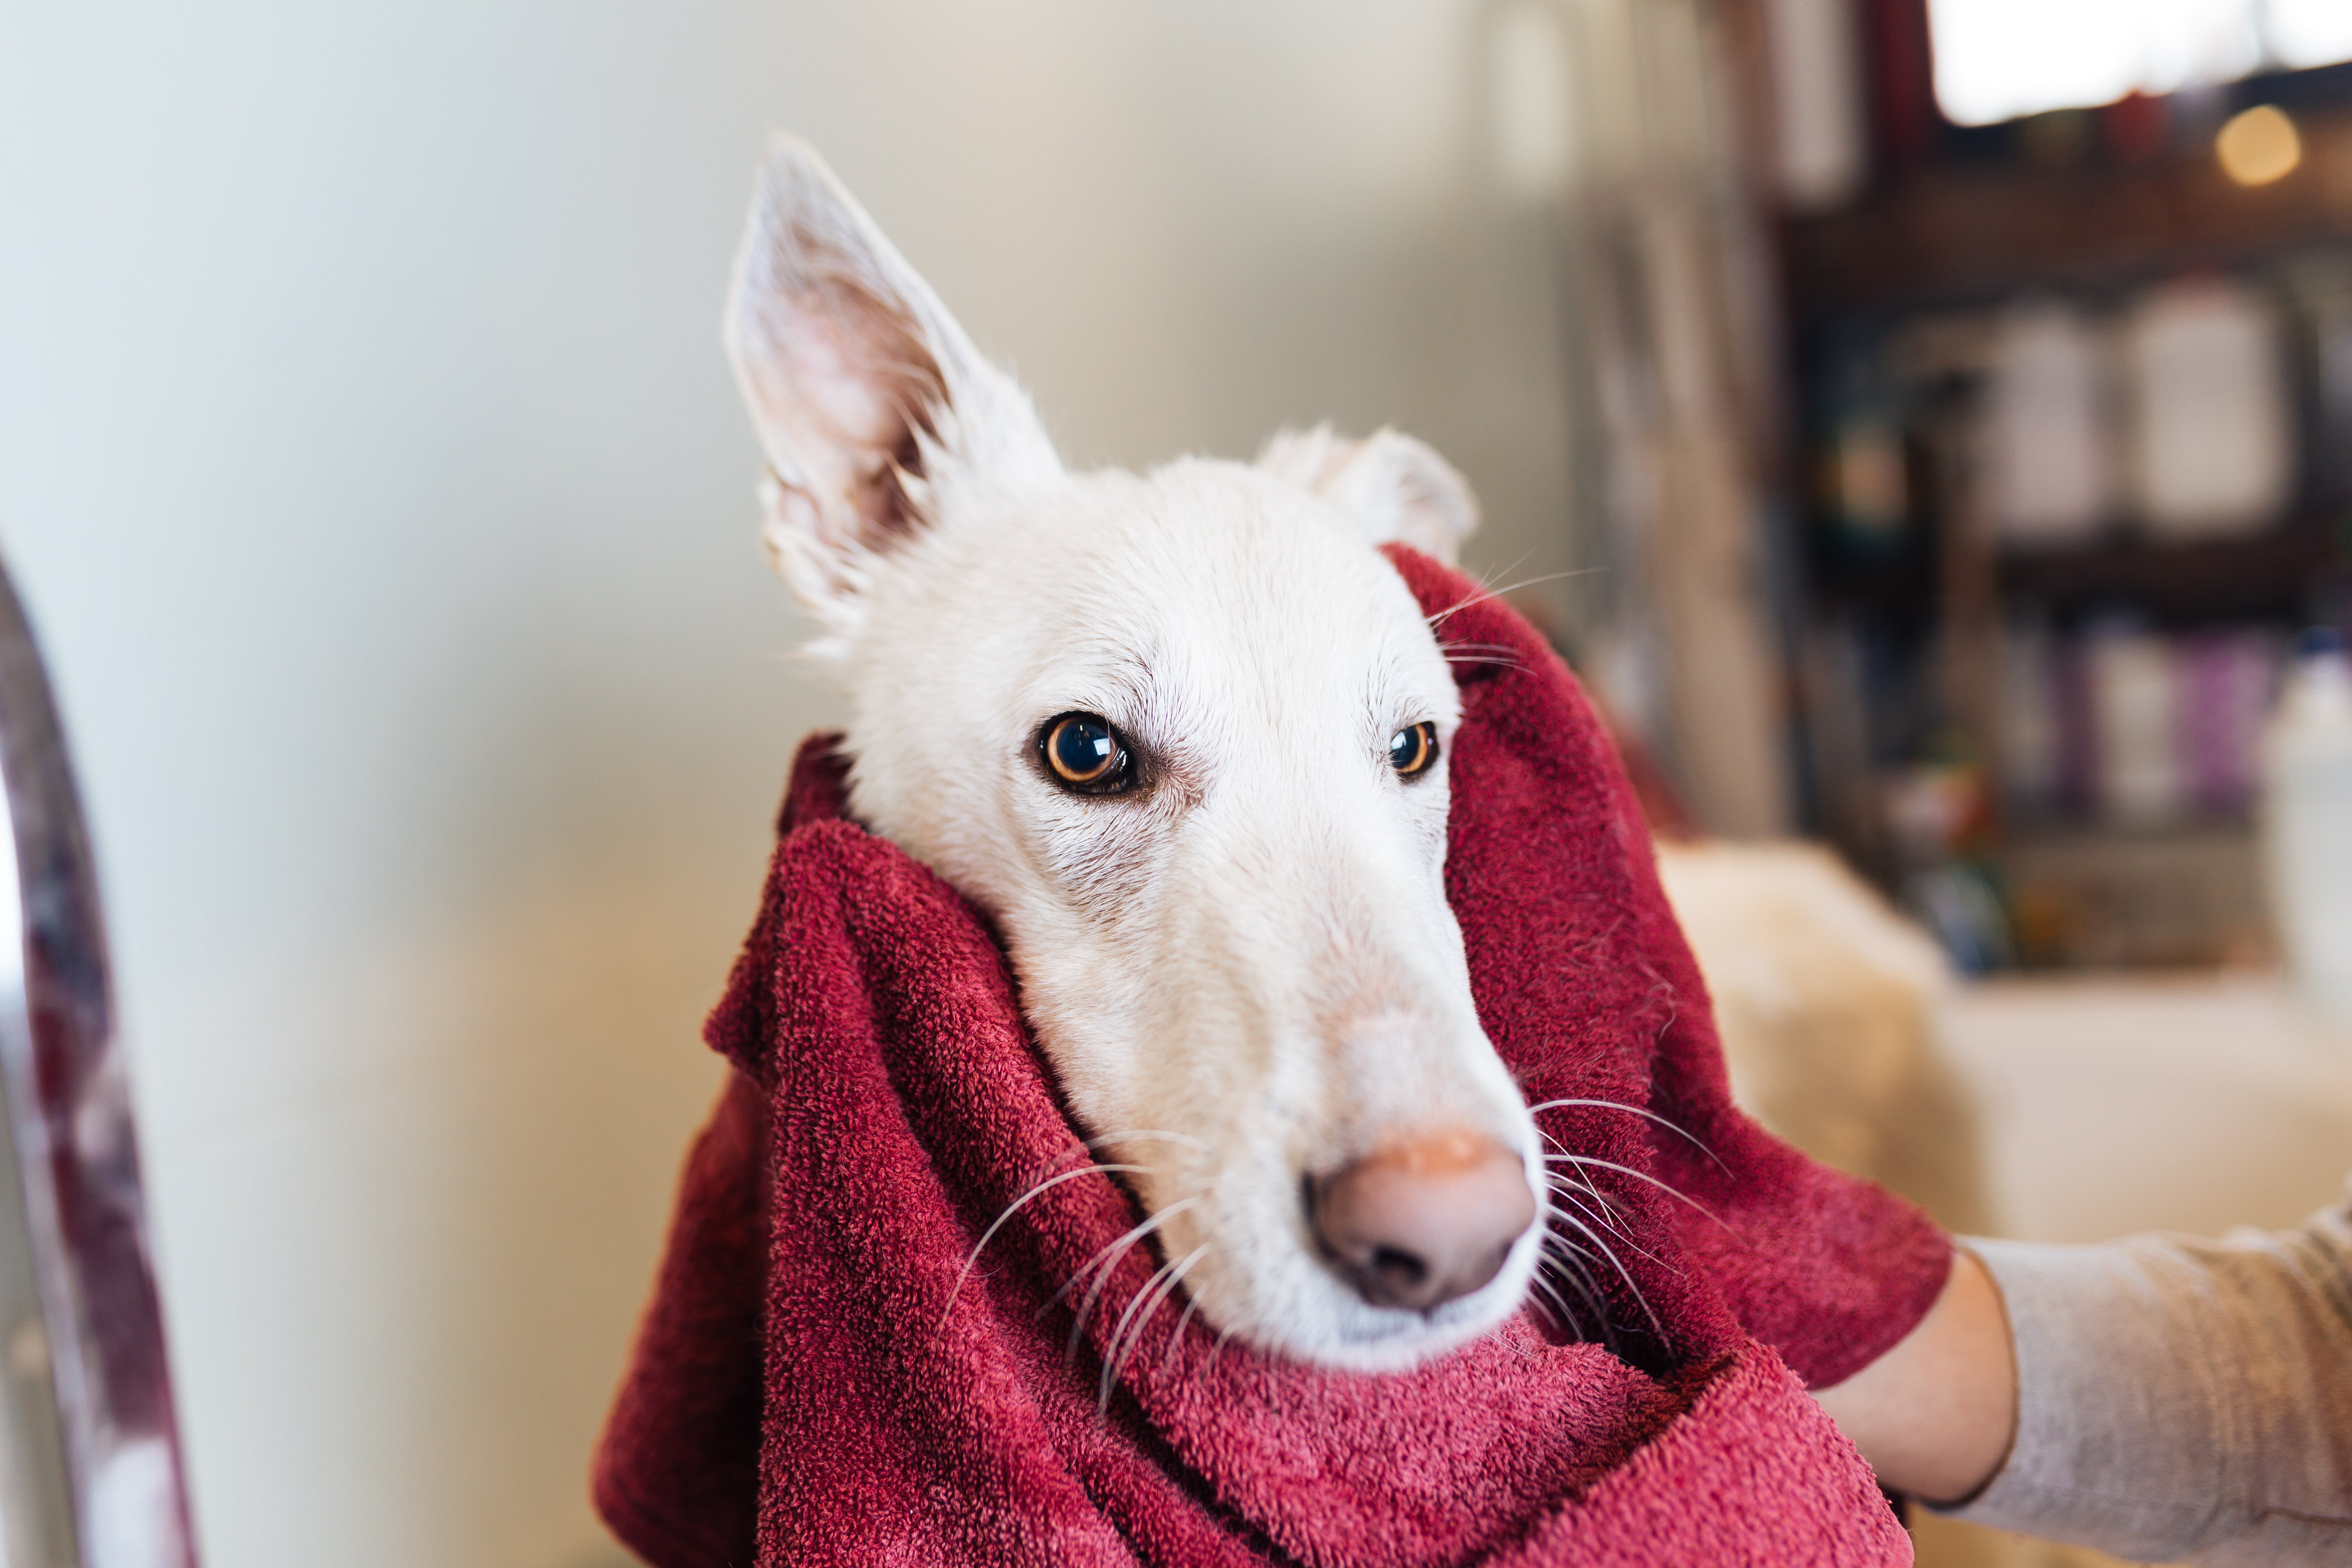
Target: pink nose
1423, 1221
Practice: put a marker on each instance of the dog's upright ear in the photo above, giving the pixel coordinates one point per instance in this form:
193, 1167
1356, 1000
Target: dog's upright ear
1393, 486
873, 406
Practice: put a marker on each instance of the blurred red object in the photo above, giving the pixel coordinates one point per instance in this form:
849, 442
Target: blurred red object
1905, 123
1662, 804
2134, 128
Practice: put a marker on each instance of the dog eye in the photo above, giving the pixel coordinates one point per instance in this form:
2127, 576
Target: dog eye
1413, 750
1085, 755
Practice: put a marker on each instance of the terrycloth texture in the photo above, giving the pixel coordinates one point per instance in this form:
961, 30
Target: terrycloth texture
903, 1421
678, 1469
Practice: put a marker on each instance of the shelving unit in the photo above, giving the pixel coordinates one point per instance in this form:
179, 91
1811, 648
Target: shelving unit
2265, 576
1957, 234
1954, 238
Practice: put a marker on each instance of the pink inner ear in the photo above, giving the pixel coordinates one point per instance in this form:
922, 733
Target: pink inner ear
1393, 486
855, 373
850, 383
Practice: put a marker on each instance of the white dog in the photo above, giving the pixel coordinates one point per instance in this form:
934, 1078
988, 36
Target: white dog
1183, 737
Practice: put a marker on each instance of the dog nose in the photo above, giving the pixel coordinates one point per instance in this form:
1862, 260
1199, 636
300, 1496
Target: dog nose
1423, 1221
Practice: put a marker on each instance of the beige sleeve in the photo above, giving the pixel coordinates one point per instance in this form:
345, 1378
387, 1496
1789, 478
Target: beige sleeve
2182, 1400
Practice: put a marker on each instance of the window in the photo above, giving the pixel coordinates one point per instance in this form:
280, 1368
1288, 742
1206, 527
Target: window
1996, 59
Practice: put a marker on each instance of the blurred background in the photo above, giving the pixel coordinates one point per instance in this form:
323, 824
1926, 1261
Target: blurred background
1923, 422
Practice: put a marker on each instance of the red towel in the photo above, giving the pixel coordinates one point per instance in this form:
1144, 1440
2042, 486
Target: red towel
805, 1391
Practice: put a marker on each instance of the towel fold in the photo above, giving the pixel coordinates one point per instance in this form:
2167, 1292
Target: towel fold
820, 1380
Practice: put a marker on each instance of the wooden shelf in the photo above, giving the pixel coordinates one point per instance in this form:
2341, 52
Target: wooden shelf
2265, 576
1955, 232
2260, 577
1902, 585
2103, 895
2034, 833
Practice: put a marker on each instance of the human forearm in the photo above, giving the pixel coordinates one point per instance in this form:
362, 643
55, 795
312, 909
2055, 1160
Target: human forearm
2182, 1399
2161, 1398
1934, 1414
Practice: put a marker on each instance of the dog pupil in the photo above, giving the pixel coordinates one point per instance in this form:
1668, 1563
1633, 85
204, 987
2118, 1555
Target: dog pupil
1412, 750
1085, 747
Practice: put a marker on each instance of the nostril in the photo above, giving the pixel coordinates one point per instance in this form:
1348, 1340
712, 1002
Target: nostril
1399, 1269
1423, 1221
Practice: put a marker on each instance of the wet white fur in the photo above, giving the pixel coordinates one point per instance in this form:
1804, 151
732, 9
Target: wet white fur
1252, 960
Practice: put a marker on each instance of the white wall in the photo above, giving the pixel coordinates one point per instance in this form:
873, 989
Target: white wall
371, 473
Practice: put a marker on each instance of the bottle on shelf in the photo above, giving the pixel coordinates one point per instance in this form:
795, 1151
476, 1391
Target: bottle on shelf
2307, 823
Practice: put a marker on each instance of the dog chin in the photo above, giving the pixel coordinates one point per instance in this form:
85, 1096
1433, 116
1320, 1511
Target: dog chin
1345, 1334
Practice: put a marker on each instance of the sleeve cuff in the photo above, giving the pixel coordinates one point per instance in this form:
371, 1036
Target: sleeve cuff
2121, 1437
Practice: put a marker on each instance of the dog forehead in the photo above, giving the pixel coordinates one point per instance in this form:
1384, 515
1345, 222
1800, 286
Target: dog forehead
1202, 567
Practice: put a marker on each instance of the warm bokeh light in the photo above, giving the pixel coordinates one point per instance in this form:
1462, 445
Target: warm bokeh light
2259, 145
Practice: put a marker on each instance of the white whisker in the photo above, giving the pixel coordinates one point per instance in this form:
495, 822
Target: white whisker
1608, 1211
1013, 1208
1628, 1241
1192, 1305
1157, 1290
1567, 1185
1620, 1105
1556, 1306
1666, 1187
1479, 652
1109, 1258
1099, 1139
1609, 1257
1447, 613
1560, 1253
1559, 1249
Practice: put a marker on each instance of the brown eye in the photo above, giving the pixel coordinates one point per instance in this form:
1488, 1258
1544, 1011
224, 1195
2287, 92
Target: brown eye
1413, 750
1085, 755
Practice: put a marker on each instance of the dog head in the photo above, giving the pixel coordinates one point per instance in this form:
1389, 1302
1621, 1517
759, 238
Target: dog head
1183, 736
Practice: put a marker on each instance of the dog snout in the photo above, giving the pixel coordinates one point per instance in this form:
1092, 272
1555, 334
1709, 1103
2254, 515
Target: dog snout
1425, 1220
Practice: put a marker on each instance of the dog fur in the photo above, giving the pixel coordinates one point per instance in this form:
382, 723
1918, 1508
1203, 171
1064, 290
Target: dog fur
1245, 971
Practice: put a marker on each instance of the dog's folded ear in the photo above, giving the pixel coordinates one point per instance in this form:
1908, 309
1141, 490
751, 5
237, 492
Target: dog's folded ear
1392, 487
870, 402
